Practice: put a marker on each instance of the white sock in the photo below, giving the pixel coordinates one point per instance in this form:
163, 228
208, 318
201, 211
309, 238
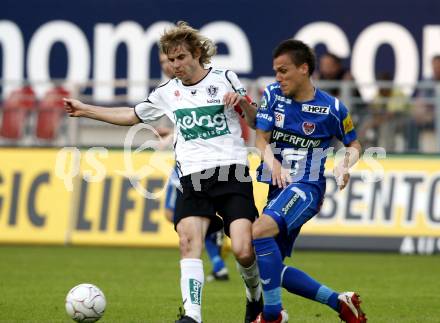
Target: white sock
191, 285
251, 278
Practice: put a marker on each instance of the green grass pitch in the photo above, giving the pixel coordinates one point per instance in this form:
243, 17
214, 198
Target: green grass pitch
142, 285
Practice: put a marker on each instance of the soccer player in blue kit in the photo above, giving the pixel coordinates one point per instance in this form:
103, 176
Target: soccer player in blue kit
295, 124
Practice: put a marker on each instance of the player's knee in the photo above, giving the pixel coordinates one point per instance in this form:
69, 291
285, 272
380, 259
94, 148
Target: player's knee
257, 231
263, 229
190, 246
244, 253
184, 245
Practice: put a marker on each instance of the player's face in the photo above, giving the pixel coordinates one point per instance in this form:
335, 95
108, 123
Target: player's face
292, 78
184, 64
165, 65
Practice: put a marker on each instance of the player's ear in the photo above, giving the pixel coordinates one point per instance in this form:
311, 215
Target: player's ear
197, 53
304, 68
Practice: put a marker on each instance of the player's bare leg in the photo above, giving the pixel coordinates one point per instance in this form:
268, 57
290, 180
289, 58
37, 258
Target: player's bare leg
192, 231
241, 244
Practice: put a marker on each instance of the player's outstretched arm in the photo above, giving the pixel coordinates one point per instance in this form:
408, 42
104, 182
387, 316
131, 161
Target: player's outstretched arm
123, 116
342, 170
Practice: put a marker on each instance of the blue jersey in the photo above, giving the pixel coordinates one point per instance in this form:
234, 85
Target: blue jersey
302, 131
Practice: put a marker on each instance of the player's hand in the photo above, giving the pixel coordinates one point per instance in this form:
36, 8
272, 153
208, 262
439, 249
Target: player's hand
280, 176
74, 108
342, 176
231, 99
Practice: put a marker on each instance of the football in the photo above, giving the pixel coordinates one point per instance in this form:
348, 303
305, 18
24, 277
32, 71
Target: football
85, 303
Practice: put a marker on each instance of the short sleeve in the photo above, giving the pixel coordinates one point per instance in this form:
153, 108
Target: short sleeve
345, 131
151, 108
265, 116
235, 83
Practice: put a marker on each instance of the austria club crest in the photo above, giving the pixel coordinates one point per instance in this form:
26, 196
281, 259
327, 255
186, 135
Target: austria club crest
212, 91
308, 127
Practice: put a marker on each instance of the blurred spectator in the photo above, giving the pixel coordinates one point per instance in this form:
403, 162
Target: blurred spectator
423, 113
387, 117
330, 68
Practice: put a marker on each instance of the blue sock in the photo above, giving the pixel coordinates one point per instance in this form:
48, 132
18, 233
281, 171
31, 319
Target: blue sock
299, 283
213, 251
270, 266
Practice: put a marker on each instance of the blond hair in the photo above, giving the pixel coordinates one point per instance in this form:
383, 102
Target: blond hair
184, 34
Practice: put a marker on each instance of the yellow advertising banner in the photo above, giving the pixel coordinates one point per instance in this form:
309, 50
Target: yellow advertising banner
120, 199
103, 197
396, 196
34, 204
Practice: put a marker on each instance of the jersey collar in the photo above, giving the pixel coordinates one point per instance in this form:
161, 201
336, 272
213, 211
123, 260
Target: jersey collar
188, 85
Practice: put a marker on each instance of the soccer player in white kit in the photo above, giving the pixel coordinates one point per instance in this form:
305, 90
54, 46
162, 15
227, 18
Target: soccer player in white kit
211, 158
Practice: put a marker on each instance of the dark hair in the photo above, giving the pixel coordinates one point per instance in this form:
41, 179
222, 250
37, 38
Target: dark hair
334, 57
299, 53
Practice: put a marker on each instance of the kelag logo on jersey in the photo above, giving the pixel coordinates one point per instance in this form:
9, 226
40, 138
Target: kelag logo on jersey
202, 122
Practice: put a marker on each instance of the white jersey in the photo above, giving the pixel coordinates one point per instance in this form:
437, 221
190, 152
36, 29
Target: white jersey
207, 133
